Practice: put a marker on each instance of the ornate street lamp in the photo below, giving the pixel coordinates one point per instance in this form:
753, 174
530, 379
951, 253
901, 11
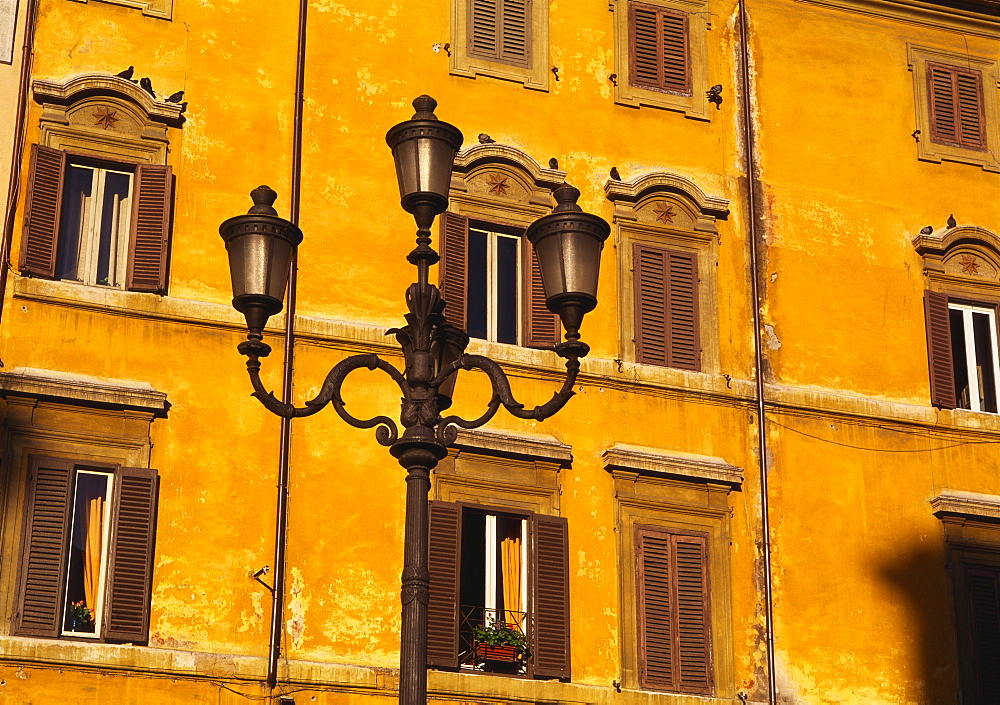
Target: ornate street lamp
568, 244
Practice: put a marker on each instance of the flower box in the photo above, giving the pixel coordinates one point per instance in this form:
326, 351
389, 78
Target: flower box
505, 654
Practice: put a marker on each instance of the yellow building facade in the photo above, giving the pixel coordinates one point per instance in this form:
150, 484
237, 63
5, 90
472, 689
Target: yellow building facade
803, 221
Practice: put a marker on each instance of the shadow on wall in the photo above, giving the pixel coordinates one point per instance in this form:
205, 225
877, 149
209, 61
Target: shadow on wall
920, 576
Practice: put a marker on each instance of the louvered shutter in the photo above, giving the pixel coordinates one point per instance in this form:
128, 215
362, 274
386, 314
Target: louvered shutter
658, 49
543, 326
444, 557
550, 599
150, 240
983, 592
131, 565
655, 606
675, 651
955, 99
666, 307
939, 358
500, 30
44, 204
45, 543
453, 280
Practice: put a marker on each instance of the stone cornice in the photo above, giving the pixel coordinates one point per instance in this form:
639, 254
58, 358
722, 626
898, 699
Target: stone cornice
664, 463
48, 384
966, 504
101, 84
529, 445
925, 14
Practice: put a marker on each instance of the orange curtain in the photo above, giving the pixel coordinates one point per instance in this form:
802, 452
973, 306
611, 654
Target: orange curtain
92, 552
510, 565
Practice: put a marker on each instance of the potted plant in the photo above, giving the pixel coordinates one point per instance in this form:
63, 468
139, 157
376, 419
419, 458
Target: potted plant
81, 618
500, 641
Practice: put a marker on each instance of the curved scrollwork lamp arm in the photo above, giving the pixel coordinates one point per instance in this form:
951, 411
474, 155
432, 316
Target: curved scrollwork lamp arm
387, 431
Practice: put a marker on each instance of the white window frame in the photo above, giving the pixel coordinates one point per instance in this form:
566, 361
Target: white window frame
102, 581
970, 351
91, 220
492, 275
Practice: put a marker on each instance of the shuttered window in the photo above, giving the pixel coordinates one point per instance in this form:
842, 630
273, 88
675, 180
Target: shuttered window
955, 97
500, 30
492, 285
675, 651
982, 587
659, 54
104, 224
962, 353
461, 564
666, 307
87, 551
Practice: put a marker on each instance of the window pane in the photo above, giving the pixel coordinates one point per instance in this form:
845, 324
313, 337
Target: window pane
86, 553
959, 360
983, 333
116, 189
506, 295
76, 193
477, 285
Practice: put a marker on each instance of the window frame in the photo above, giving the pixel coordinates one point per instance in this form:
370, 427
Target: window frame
693, 102
533, 74
493, 232
968, 309
919, 59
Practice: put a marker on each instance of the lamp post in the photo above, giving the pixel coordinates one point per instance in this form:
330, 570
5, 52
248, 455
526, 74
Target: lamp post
568, 244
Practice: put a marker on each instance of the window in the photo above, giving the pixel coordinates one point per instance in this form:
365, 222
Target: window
981, 630
956, 112
498, 568
667, 244
505, 39
661, 55
672, 514
962, 349
96, 222
673, 611
489, 291
87, 549
154, 8
666, 305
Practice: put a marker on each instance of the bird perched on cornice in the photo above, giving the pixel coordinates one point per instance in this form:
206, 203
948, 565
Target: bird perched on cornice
926, 230
127, 73
485, 138
176, 97
553, 163
714, 95
147, 85
615, 175
951, 221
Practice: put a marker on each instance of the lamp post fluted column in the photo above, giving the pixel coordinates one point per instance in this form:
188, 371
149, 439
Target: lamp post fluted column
568, 245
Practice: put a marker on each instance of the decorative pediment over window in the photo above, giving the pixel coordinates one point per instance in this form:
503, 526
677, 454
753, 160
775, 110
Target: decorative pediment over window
964, 253
105, 115
666, 200
505, 176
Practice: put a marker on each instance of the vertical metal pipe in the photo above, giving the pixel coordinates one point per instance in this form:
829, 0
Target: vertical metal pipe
281, 522
17, 153
753, 184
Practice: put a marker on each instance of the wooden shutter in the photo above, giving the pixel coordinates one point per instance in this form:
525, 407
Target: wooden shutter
543, 327
44, 545
550, 600
666, 307
44, 205
939, 358
675, 648
453, 280
500, 30
983, 593
658, 49
444, 559
149, 244
131, 565
955, 98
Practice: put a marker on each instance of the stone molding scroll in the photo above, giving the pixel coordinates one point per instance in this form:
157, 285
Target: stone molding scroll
532, 183
633, 196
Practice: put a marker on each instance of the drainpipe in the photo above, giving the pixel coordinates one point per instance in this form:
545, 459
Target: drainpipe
753, 209
17, 153
281, 523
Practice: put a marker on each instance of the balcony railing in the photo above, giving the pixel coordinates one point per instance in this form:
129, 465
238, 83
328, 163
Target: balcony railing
476, 653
